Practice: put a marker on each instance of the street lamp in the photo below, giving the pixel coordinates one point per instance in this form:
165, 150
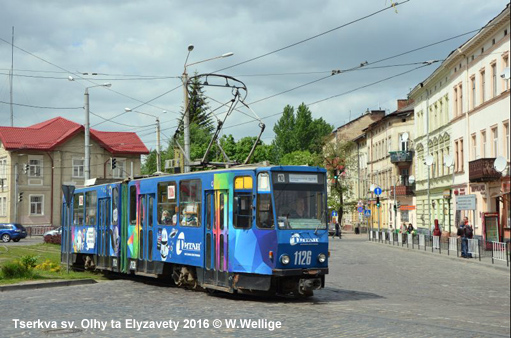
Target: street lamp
87, 127
186, 119
158, 155
428, 160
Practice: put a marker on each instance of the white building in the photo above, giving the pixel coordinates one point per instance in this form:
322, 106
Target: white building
462, 110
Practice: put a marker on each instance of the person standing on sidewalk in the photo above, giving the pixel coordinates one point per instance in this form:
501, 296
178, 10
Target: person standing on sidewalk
469, 234
464, 241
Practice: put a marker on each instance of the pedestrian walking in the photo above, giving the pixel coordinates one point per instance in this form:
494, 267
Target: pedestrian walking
337, 230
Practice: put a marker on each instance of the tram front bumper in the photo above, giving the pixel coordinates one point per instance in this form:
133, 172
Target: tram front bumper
300, 272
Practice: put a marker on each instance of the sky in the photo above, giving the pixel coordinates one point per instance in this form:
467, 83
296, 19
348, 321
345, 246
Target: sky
284, 53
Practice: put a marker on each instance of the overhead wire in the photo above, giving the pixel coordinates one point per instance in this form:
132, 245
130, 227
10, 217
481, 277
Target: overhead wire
392, 6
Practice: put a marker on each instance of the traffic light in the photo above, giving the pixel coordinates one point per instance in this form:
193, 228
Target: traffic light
378, 204
336, 174
20, 197
26, 167
113, 163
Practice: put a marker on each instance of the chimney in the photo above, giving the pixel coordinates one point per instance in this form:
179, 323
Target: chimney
402, 103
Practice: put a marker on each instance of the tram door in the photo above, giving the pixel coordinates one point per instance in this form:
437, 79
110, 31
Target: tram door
103, 243
145, 231
216, 238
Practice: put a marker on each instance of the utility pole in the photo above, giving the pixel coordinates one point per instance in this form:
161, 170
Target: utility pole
158, 154
12, 76
16, 176
186, 120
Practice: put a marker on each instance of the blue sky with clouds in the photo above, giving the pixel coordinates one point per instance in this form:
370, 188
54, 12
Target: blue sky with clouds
140, 47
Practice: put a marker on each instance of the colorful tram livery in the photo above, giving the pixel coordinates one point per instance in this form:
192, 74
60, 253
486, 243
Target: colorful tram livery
235, 230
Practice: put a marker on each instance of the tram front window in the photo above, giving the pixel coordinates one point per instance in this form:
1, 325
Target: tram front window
300, 209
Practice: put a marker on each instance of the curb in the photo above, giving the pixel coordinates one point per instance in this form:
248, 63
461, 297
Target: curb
454, 258
15, 287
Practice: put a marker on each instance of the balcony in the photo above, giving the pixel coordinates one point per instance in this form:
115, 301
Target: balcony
402, 190
401, 156
482, 170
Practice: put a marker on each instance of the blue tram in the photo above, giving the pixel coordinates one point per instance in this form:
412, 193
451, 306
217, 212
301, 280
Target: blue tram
242, 229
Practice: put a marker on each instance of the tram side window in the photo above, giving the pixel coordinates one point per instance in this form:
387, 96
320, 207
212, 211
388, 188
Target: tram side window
167, 203
115, 205
91, 207
133, 205
78, 209
190, 194
243, 210
264, 211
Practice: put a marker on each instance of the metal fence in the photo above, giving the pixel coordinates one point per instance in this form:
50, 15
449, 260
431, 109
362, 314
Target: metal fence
38, 230
452, 245
500, 252
477, 247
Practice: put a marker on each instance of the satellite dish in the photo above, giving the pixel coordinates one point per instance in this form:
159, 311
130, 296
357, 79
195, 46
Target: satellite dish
505, 74
448, 160
404, 136
411, 179
500, 164
372, 187
428, 160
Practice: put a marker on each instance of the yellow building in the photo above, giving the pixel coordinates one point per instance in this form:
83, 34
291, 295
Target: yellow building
389, 167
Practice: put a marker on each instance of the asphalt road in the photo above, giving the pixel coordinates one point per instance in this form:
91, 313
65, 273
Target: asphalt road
25, 241
373, 290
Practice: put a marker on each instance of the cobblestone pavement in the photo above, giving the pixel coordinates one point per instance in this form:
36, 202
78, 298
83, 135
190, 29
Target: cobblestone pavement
372, 291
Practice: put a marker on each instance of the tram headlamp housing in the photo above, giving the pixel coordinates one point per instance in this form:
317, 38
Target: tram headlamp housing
284, 259
321, 258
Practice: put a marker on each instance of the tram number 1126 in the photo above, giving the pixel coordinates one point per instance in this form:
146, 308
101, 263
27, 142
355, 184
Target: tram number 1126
303, 257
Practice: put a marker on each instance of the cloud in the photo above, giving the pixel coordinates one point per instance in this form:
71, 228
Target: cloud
122, 39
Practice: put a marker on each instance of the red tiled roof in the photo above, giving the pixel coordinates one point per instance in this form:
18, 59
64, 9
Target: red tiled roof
49, 134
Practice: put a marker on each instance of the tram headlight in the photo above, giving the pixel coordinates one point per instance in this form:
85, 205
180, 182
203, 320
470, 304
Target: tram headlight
284, 259
321, 258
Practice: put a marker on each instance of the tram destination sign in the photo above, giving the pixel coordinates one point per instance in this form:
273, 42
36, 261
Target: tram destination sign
466, 202
303, 178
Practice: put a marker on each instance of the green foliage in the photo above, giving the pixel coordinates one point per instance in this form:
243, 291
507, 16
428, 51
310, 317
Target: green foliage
284, 141
300, 158
29, 261
16, 269
198, 106
300, 133
341, 156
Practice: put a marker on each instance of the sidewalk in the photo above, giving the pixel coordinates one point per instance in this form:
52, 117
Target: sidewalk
483, 261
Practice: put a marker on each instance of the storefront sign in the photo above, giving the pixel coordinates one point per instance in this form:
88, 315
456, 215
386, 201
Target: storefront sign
466, 202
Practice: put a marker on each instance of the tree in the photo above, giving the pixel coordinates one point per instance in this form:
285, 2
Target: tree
339, 157
198, 106
284, 129
300, 157
300, 133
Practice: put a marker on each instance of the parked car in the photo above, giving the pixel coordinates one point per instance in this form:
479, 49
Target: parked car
12, 231
57, 231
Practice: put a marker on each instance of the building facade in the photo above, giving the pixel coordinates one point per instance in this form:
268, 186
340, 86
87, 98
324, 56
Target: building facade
390, 165
36, 161
462, 119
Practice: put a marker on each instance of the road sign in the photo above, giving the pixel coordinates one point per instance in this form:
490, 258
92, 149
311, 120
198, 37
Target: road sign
334, 213
377, 191
360, 203
367, 213
360, 209
466, 202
